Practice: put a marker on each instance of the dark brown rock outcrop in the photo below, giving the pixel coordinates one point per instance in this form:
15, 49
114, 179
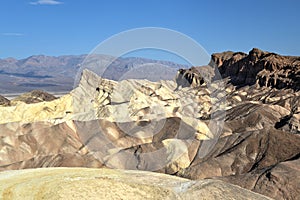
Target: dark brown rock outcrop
34, 96
189, 77
260, 67
4, 101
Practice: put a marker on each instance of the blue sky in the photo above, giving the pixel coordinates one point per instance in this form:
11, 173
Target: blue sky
64, 27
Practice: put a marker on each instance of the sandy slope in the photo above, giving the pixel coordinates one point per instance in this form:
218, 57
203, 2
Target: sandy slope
83, 183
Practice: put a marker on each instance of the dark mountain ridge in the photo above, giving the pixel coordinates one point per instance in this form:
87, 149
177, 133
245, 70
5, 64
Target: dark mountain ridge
259, 67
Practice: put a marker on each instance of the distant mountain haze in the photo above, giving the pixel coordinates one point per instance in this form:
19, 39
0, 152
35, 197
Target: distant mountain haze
57, 74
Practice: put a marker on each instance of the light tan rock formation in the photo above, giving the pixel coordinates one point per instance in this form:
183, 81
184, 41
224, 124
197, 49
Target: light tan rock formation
82, 183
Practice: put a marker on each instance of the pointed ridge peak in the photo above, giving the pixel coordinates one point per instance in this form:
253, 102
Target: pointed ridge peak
87, 73
91, 79
255, 52
10, 59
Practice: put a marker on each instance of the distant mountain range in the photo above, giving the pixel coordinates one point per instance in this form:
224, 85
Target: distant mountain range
56, 74
62, 73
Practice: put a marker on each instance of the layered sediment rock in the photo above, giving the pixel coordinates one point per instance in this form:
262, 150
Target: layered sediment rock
118, 124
